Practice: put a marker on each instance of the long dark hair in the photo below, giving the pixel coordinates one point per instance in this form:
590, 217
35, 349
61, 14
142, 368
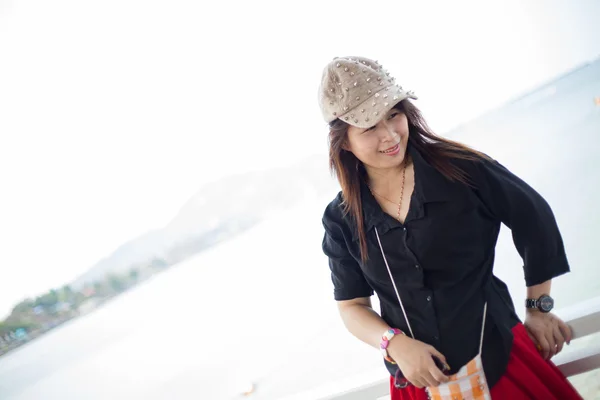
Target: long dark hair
436, 150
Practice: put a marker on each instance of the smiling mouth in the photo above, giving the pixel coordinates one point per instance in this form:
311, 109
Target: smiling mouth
391, 149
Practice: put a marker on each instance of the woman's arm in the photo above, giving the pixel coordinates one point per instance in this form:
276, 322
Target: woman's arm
414, 357
528, 215
535, 291
362, 321
537, 239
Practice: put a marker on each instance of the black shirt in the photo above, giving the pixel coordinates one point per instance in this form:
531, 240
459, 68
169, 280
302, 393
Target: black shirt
442, 258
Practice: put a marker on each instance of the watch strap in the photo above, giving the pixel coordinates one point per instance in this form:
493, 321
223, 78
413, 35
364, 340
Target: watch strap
531, 303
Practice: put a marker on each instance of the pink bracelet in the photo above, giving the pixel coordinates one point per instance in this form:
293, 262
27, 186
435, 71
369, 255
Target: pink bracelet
385, 341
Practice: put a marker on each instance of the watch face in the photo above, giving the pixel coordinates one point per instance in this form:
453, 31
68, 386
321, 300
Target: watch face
546, 303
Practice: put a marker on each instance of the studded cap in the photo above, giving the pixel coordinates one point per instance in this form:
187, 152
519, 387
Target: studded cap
358, 91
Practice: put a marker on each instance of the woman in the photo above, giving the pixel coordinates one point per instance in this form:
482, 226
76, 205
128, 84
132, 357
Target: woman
417, 222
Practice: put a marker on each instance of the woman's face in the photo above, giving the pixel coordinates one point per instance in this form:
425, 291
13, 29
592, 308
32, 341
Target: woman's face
382, 146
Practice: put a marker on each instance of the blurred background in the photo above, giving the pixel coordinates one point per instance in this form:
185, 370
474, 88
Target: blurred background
164, 171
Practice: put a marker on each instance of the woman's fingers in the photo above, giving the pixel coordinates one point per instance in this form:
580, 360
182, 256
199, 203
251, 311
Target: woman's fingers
417, 383
438, 375
437, 354
549, 334
429, 379
565, 330
543, 346
558, 338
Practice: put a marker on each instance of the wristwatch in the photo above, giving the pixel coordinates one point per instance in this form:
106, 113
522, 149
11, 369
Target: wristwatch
545, 303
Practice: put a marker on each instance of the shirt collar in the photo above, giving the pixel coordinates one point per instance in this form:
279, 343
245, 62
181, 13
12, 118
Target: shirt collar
430, 186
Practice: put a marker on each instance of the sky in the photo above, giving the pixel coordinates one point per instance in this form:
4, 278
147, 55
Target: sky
114, 113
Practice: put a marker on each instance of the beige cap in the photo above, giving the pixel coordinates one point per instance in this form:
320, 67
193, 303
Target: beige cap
358, 91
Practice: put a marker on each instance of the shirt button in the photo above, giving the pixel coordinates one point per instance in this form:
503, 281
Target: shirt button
436, 338
428, 298
417, 266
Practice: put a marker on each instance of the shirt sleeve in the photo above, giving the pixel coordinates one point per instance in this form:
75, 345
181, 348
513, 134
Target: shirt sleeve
348, 279
534, 229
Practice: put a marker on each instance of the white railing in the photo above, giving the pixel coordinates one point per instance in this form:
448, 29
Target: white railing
583, 318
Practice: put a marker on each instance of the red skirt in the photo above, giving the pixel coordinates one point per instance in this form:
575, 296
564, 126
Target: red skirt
528, 376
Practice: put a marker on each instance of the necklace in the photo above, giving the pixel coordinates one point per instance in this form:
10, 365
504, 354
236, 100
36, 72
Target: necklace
401, 192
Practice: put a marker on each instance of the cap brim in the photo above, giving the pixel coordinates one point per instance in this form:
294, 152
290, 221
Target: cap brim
371, 111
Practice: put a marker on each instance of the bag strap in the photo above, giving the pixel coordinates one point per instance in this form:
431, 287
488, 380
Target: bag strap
482, 327
394, 284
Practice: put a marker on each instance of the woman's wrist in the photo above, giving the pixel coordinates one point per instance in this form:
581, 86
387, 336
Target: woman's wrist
386, 338
535, 291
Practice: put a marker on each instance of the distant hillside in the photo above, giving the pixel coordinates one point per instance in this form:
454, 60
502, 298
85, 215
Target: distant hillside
219, 211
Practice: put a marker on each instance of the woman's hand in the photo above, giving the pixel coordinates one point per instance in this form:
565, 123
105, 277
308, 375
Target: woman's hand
414, 358
548, 332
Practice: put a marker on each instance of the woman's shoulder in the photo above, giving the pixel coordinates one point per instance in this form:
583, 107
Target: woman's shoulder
339, 231
337, 219
473, 163
334, 211
470, 157
480, 168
